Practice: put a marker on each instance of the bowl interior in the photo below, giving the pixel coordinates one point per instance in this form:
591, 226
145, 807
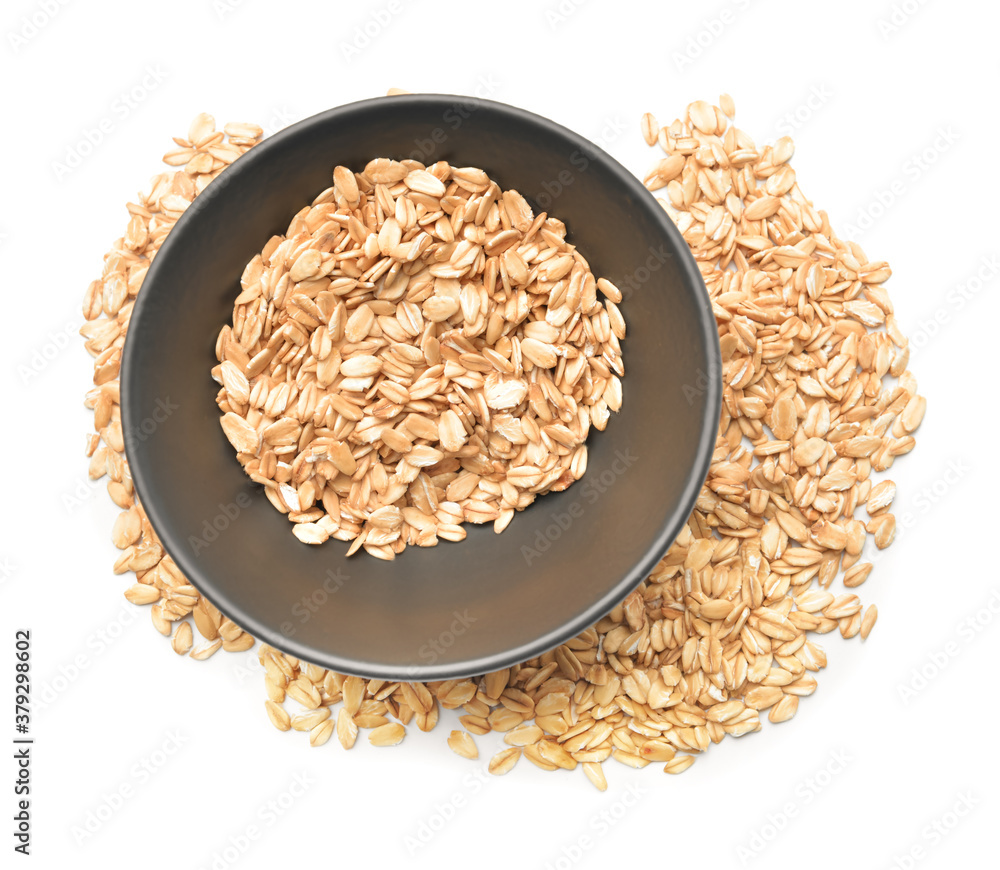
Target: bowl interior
459, 608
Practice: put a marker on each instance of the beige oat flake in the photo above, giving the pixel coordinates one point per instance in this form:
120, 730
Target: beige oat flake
723, 628
374, 341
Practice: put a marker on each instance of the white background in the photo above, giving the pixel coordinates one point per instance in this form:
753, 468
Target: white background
878, 96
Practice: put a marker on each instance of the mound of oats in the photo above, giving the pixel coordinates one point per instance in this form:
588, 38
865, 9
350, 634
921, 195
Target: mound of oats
418, 351
818, 400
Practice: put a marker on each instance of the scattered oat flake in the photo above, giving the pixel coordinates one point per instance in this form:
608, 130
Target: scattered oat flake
724, 627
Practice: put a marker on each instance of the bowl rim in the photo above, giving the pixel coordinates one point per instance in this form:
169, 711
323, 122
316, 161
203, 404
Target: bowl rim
706, 326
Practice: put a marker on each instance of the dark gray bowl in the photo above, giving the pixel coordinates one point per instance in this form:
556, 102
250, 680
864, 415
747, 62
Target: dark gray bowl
459, 608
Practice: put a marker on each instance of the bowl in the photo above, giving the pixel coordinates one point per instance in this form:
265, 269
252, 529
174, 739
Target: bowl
457, 609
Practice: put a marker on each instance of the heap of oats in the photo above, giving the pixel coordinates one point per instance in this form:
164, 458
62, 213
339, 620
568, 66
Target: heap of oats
418, 351
720, 631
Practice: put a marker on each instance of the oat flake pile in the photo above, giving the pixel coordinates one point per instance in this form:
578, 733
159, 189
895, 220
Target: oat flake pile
817, 400
419, 350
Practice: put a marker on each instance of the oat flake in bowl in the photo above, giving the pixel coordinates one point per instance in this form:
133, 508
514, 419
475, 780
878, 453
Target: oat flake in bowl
418, 351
